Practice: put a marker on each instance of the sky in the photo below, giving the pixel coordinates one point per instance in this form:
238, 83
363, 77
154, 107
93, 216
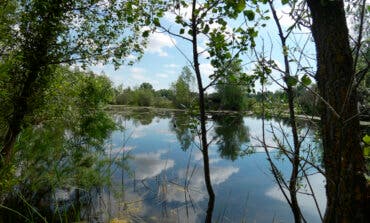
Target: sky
162, 61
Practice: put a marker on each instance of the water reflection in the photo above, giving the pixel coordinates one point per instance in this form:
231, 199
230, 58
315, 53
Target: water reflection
164, 181
141, 116
194, 181
174, 190
149, 165
232, 134
305, 200
181, 126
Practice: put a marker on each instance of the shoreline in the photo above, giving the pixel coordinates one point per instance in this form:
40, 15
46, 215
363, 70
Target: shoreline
285, 115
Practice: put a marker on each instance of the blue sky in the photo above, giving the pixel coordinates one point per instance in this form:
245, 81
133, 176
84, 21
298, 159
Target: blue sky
162, 62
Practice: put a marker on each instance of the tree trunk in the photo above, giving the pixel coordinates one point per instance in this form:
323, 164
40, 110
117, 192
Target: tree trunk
31, 73
343, 156
204, 143
20, 110
9, 142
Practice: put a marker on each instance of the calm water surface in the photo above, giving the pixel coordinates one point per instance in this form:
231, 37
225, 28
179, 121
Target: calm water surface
161, 177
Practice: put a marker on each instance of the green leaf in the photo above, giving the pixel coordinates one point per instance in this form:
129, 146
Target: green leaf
240, 6
291, 81
367, 151
250, 14
206, 29
190, 32
146, 33
156, 22
366, 139
182, 31
221, 22
306, 80
178, 19
283, 2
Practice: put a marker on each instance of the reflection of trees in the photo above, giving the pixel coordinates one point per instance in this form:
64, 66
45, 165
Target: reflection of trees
63, 150
232, 134
140, 118
180, 125
143, 116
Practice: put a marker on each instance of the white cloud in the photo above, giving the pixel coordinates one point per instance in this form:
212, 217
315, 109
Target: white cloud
121, 150
206, 69
184, 12
162, 75
117, 79
138, 134
221, 174
203, 52
138, 75
137, 70
171, 65
159, 41
140, 131
131, 57
305, 201
148, 165
284, 18
197, 189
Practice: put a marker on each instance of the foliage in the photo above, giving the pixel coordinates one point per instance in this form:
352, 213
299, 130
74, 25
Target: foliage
63, 146
307, 101
180, 124
232, 94
180, 94
144, 95
83, 30
231, 134
43, 34
182, 89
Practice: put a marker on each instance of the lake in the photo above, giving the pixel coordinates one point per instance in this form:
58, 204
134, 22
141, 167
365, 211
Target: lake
158, 173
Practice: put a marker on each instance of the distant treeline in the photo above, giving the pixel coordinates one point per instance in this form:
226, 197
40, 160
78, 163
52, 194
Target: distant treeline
231, 95
228, 96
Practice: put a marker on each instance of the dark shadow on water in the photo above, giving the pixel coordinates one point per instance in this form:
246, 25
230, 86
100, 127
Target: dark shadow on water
231, 134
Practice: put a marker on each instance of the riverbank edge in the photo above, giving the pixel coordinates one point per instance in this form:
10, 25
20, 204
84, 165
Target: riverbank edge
285, 115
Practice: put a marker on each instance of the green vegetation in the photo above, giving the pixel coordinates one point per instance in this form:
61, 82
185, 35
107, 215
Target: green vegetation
62, 147
231, 134
144, 96
183, 96
53, 125
231, 95
180, 95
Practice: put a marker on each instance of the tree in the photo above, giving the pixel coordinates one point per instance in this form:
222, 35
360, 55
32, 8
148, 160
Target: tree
336, 78
307, 100
182, 94
219, 47
165, 93
181, 126
146, 86
63, 147
232, 134
45, 33
143, 96
232, 94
